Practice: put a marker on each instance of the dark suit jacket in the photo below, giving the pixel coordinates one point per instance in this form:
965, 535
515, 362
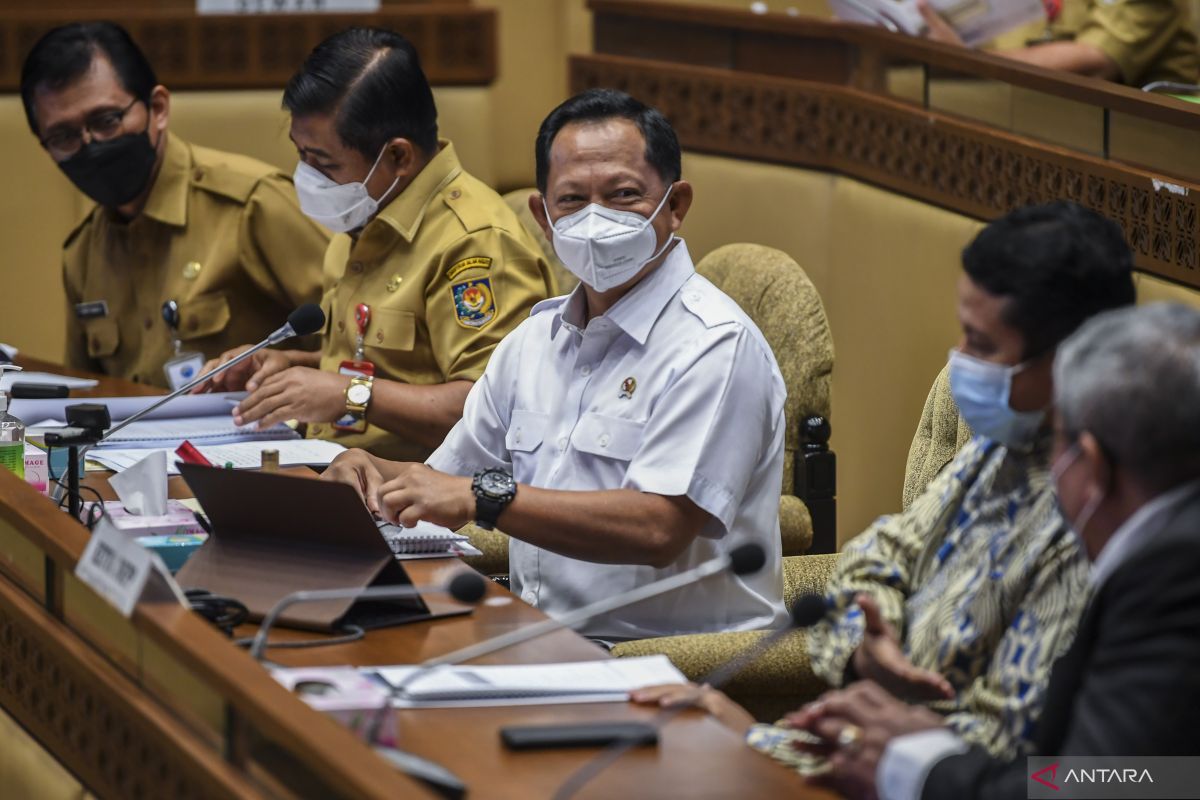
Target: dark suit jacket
1130, 683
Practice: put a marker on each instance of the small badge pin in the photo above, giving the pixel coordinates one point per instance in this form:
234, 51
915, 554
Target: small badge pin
628, 386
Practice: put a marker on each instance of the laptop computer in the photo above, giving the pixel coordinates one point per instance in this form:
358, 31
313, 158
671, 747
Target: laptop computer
274, 534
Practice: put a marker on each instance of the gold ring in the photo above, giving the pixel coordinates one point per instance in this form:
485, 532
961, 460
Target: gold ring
849, 737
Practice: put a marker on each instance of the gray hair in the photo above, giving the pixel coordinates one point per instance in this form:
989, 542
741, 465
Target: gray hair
1131, 377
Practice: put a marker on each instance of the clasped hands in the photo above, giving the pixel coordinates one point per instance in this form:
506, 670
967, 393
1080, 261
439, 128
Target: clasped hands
405, 493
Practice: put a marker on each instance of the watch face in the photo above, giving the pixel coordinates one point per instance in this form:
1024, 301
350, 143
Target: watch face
495, 483
358, 394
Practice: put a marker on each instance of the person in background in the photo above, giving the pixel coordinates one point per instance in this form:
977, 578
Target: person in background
1127, 470
964, 600
628, 431
218, 235
427, 271
1134, 42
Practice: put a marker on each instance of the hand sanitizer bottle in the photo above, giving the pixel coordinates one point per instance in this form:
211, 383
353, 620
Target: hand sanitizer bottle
12, 435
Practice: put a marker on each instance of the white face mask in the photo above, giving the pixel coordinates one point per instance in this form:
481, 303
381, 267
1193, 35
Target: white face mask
341, 207
605, 247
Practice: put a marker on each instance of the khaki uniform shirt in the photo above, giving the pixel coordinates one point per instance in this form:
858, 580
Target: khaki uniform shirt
447, 270
1149, 40
221, 234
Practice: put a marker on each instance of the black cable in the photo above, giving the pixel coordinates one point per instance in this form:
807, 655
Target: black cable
352, 633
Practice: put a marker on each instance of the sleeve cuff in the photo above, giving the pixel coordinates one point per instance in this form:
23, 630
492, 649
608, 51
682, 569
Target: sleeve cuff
908, 759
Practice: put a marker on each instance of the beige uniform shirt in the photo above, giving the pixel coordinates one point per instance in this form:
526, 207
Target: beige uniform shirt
1149, 40
221, 234
447, 270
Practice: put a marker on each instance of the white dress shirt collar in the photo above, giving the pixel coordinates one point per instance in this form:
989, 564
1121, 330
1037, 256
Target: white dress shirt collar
637, 311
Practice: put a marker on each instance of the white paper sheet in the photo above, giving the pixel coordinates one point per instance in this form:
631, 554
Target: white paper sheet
597, 681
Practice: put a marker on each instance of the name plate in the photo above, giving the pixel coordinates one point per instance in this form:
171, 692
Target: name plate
286, 6
121, 571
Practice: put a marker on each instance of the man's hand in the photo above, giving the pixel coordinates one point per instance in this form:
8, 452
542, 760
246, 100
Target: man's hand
937, 28
303, 393
418, 492
879, 658
246, 375
359, 469
716, 703
857, 724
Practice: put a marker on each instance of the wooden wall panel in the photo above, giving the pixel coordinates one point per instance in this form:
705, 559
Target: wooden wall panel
963, 166
457, 43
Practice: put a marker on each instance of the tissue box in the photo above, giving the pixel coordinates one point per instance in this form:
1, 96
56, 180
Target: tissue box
345, 694
178, 521
37, 466
174, 550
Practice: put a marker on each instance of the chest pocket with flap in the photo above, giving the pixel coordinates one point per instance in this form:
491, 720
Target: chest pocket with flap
526, 430
103, 337
607, 437
206, 315
390, 329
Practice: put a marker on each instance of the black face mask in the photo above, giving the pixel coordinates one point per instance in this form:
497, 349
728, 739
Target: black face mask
112, 172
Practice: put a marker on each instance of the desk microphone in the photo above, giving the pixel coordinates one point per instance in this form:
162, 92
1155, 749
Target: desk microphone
308, 318
466, 586
745, 559
808, 610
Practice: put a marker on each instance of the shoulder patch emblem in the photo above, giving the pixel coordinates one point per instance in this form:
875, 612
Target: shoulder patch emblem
477, 262
474, 302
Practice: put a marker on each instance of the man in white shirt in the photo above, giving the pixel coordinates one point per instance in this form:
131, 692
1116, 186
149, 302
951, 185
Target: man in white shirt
628, 431
1127, 470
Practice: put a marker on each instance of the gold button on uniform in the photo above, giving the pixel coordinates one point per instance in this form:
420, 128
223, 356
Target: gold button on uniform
394, 283
191, 270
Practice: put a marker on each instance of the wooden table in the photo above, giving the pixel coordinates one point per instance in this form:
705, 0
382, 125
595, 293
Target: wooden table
696, 756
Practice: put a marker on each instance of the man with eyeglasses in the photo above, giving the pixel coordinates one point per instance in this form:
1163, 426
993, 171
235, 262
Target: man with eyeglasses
216, 237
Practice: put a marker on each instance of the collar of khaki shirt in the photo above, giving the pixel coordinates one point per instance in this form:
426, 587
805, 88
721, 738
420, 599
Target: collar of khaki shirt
168, 200
640, 308
406, 210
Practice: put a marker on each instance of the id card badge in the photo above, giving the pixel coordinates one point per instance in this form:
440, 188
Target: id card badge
183, 368
355, 369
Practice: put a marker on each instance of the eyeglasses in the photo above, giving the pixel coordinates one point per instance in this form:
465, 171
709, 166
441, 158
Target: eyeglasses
99, 126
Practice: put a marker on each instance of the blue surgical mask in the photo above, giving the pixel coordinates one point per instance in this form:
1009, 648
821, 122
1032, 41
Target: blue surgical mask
982, 391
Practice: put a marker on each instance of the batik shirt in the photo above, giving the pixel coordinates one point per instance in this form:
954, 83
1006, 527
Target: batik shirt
983, 581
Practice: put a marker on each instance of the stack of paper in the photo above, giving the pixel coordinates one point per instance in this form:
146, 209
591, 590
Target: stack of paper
610, 680
205, 420
170, 433
242, 455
